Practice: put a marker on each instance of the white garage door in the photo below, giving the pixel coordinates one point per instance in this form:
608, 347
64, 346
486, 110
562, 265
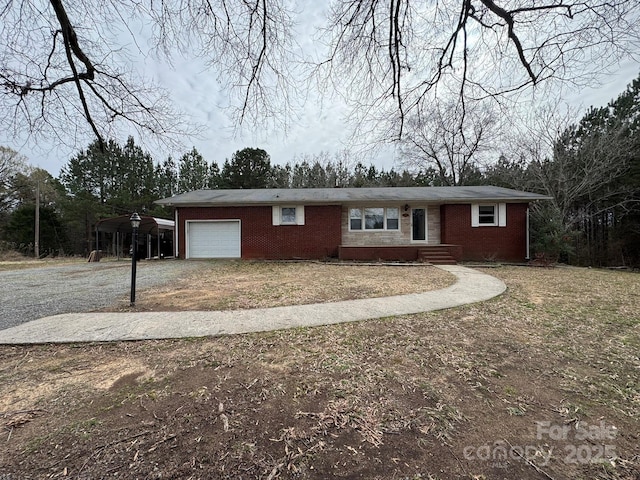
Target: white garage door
213, 239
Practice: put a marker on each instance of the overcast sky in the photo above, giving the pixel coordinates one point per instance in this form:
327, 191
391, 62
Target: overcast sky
319, 127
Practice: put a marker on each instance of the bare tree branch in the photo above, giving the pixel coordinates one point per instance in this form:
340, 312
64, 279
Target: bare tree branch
475, 48
509, 20
450, 138
389, 59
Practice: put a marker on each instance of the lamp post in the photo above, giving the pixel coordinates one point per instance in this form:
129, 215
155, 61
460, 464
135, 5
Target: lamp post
36, 246
135, 224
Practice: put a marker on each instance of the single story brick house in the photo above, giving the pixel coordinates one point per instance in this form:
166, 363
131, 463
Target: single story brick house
436, 224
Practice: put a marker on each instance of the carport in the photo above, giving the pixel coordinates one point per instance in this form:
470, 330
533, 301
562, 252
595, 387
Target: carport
155, 237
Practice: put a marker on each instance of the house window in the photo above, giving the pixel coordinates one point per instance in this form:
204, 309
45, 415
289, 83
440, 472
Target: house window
374, 218
393, 216
289, 215
355, 219
489, 215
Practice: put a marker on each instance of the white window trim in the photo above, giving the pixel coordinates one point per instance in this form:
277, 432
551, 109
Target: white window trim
502, 214
276, 215
349, 219
386, 219
500, 219
363, 220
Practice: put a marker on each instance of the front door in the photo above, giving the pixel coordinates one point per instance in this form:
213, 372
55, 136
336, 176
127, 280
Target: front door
418, 224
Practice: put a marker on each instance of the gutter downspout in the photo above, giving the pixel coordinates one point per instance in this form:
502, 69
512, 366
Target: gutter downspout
176, 229
528, 257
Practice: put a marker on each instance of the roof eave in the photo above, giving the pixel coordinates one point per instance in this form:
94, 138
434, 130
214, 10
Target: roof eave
354, 202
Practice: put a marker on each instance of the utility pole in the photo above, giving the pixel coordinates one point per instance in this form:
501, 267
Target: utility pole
37, 240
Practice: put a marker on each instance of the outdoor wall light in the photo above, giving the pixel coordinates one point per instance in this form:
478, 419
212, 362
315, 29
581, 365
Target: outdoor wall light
406, 207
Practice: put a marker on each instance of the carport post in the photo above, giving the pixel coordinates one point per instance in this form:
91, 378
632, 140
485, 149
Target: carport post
135, 224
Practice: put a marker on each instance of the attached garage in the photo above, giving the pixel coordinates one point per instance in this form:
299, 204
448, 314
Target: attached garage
213, 239
459, 223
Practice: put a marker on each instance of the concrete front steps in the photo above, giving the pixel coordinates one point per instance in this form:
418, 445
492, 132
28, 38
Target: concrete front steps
436, 255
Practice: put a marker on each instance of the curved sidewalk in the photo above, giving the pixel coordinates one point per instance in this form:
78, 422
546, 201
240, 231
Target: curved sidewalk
472, 286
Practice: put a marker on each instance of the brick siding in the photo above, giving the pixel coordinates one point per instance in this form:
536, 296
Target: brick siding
485, 243
319, 237
403, 253
326, 230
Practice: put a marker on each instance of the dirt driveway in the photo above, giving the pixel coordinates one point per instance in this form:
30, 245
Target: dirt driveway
32, 293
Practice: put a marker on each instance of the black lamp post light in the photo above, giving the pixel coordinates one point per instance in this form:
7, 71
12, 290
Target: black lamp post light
135, 224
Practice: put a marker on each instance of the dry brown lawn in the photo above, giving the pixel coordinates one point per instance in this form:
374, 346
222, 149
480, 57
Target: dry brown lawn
242, 285
10, 260
539, 383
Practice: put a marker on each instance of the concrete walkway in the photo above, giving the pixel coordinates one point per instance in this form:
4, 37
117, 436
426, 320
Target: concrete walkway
472, 286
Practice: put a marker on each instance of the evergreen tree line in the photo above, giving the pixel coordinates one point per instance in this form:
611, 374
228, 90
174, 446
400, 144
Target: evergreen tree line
591, 172
592, 176
100, 183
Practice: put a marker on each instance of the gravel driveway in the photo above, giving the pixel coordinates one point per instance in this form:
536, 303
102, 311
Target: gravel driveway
40, 292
